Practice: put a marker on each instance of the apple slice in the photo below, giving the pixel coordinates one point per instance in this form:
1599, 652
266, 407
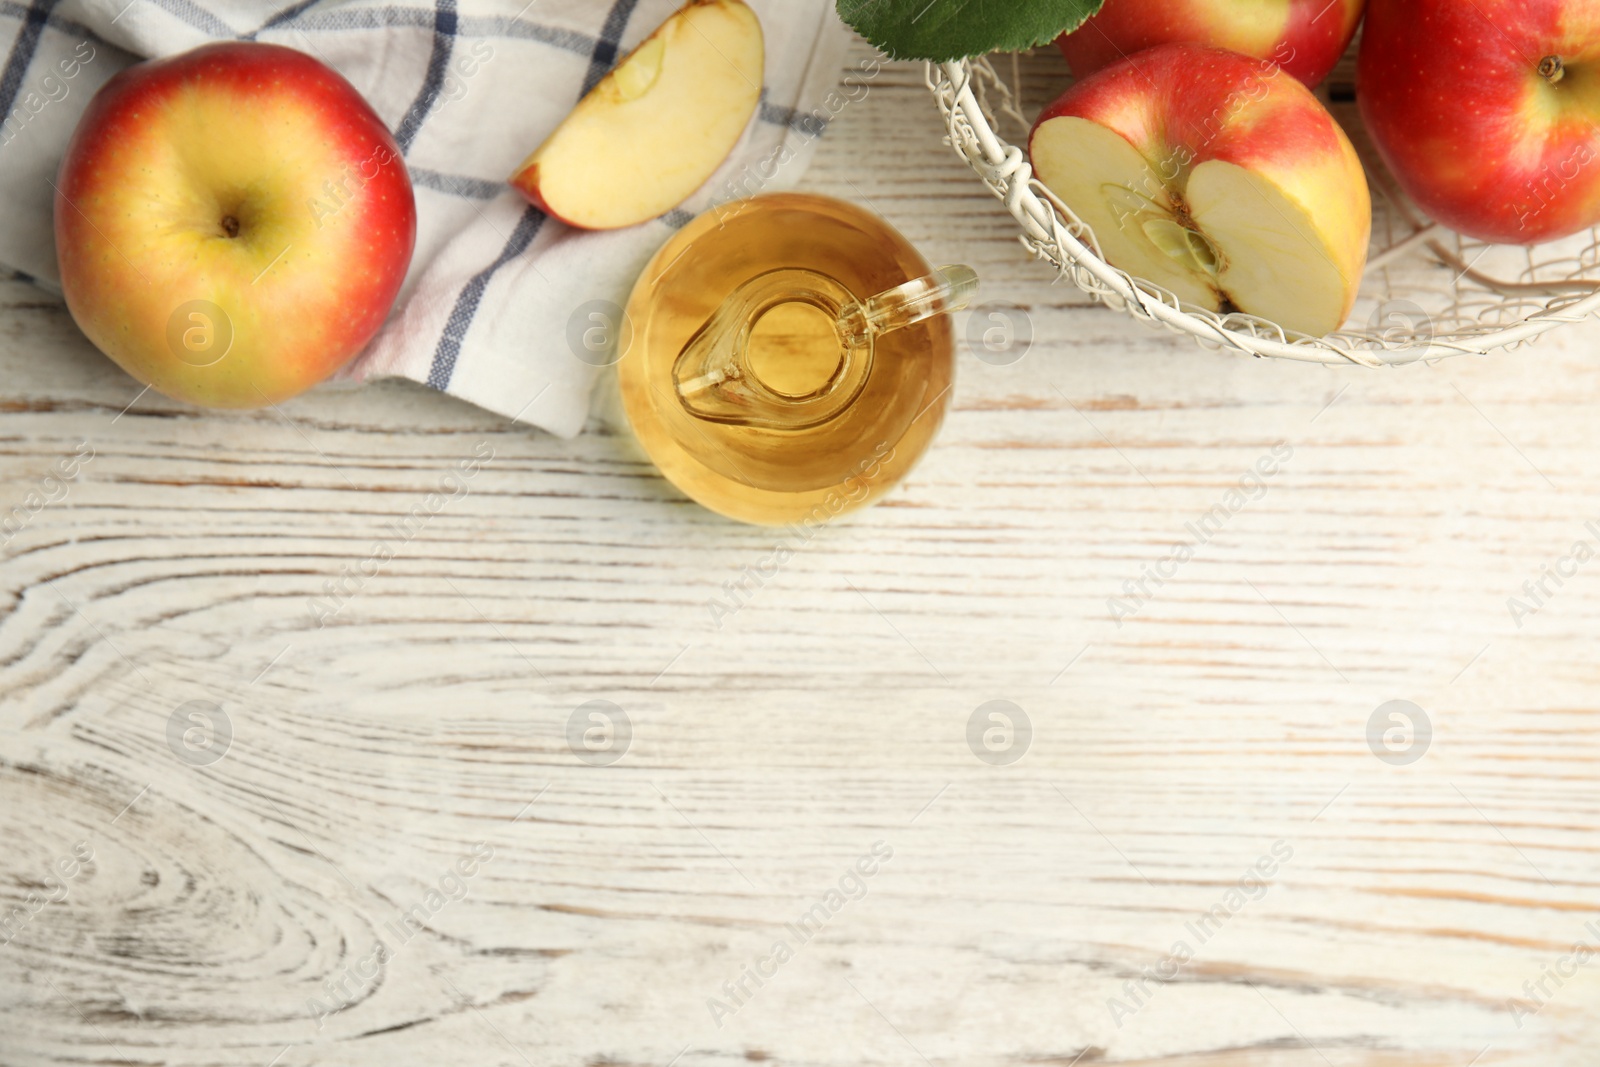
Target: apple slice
655, 128
1216, 177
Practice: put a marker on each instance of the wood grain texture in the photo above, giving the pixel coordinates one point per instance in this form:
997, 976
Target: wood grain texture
225, 907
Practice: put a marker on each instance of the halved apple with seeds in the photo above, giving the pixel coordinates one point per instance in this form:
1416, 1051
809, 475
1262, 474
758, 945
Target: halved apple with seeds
1217, 177
655, 128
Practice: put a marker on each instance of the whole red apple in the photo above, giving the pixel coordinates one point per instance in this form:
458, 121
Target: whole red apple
1488, 113
1304, 37
232, 223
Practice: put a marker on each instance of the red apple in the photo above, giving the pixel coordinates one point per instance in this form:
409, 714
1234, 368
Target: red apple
656, 128
1488, 113
1304, 37
1217, 177
232, 223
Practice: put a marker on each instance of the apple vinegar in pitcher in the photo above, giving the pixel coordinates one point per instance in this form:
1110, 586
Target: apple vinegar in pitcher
762, 376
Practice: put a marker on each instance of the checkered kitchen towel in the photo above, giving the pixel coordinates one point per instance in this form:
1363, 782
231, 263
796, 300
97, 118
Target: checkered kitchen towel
469, 87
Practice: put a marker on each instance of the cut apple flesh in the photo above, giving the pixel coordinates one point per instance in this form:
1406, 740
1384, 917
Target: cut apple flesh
1217, 236
1275, 263
656, 128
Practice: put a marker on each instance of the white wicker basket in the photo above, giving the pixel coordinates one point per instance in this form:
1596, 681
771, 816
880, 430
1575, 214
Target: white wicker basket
1427, 292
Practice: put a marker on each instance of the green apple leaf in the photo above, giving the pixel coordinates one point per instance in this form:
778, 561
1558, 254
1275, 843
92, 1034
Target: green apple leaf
943, 30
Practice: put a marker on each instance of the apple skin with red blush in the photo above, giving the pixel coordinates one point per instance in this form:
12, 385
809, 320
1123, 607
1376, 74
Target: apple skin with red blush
1488, 113
1304, 37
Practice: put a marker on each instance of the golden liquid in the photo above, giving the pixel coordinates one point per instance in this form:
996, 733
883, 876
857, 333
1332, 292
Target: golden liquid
774, 476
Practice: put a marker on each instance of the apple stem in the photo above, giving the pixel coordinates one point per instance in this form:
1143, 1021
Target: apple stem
1552, 69
230, 225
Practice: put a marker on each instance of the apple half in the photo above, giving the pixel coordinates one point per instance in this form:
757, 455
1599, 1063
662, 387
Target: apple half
1217, 177
655, 128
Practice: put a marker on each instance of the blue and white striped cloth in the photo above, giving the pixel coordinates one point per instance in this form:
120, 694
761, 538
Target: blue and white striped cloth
469, 87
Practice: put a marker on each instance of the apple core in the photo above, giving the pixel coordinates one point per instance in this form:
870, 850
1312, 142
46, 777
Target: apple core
640, 70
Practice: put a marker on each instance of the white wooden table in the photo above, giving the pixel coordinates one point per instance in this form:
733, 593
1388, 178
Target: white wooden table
232, 911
